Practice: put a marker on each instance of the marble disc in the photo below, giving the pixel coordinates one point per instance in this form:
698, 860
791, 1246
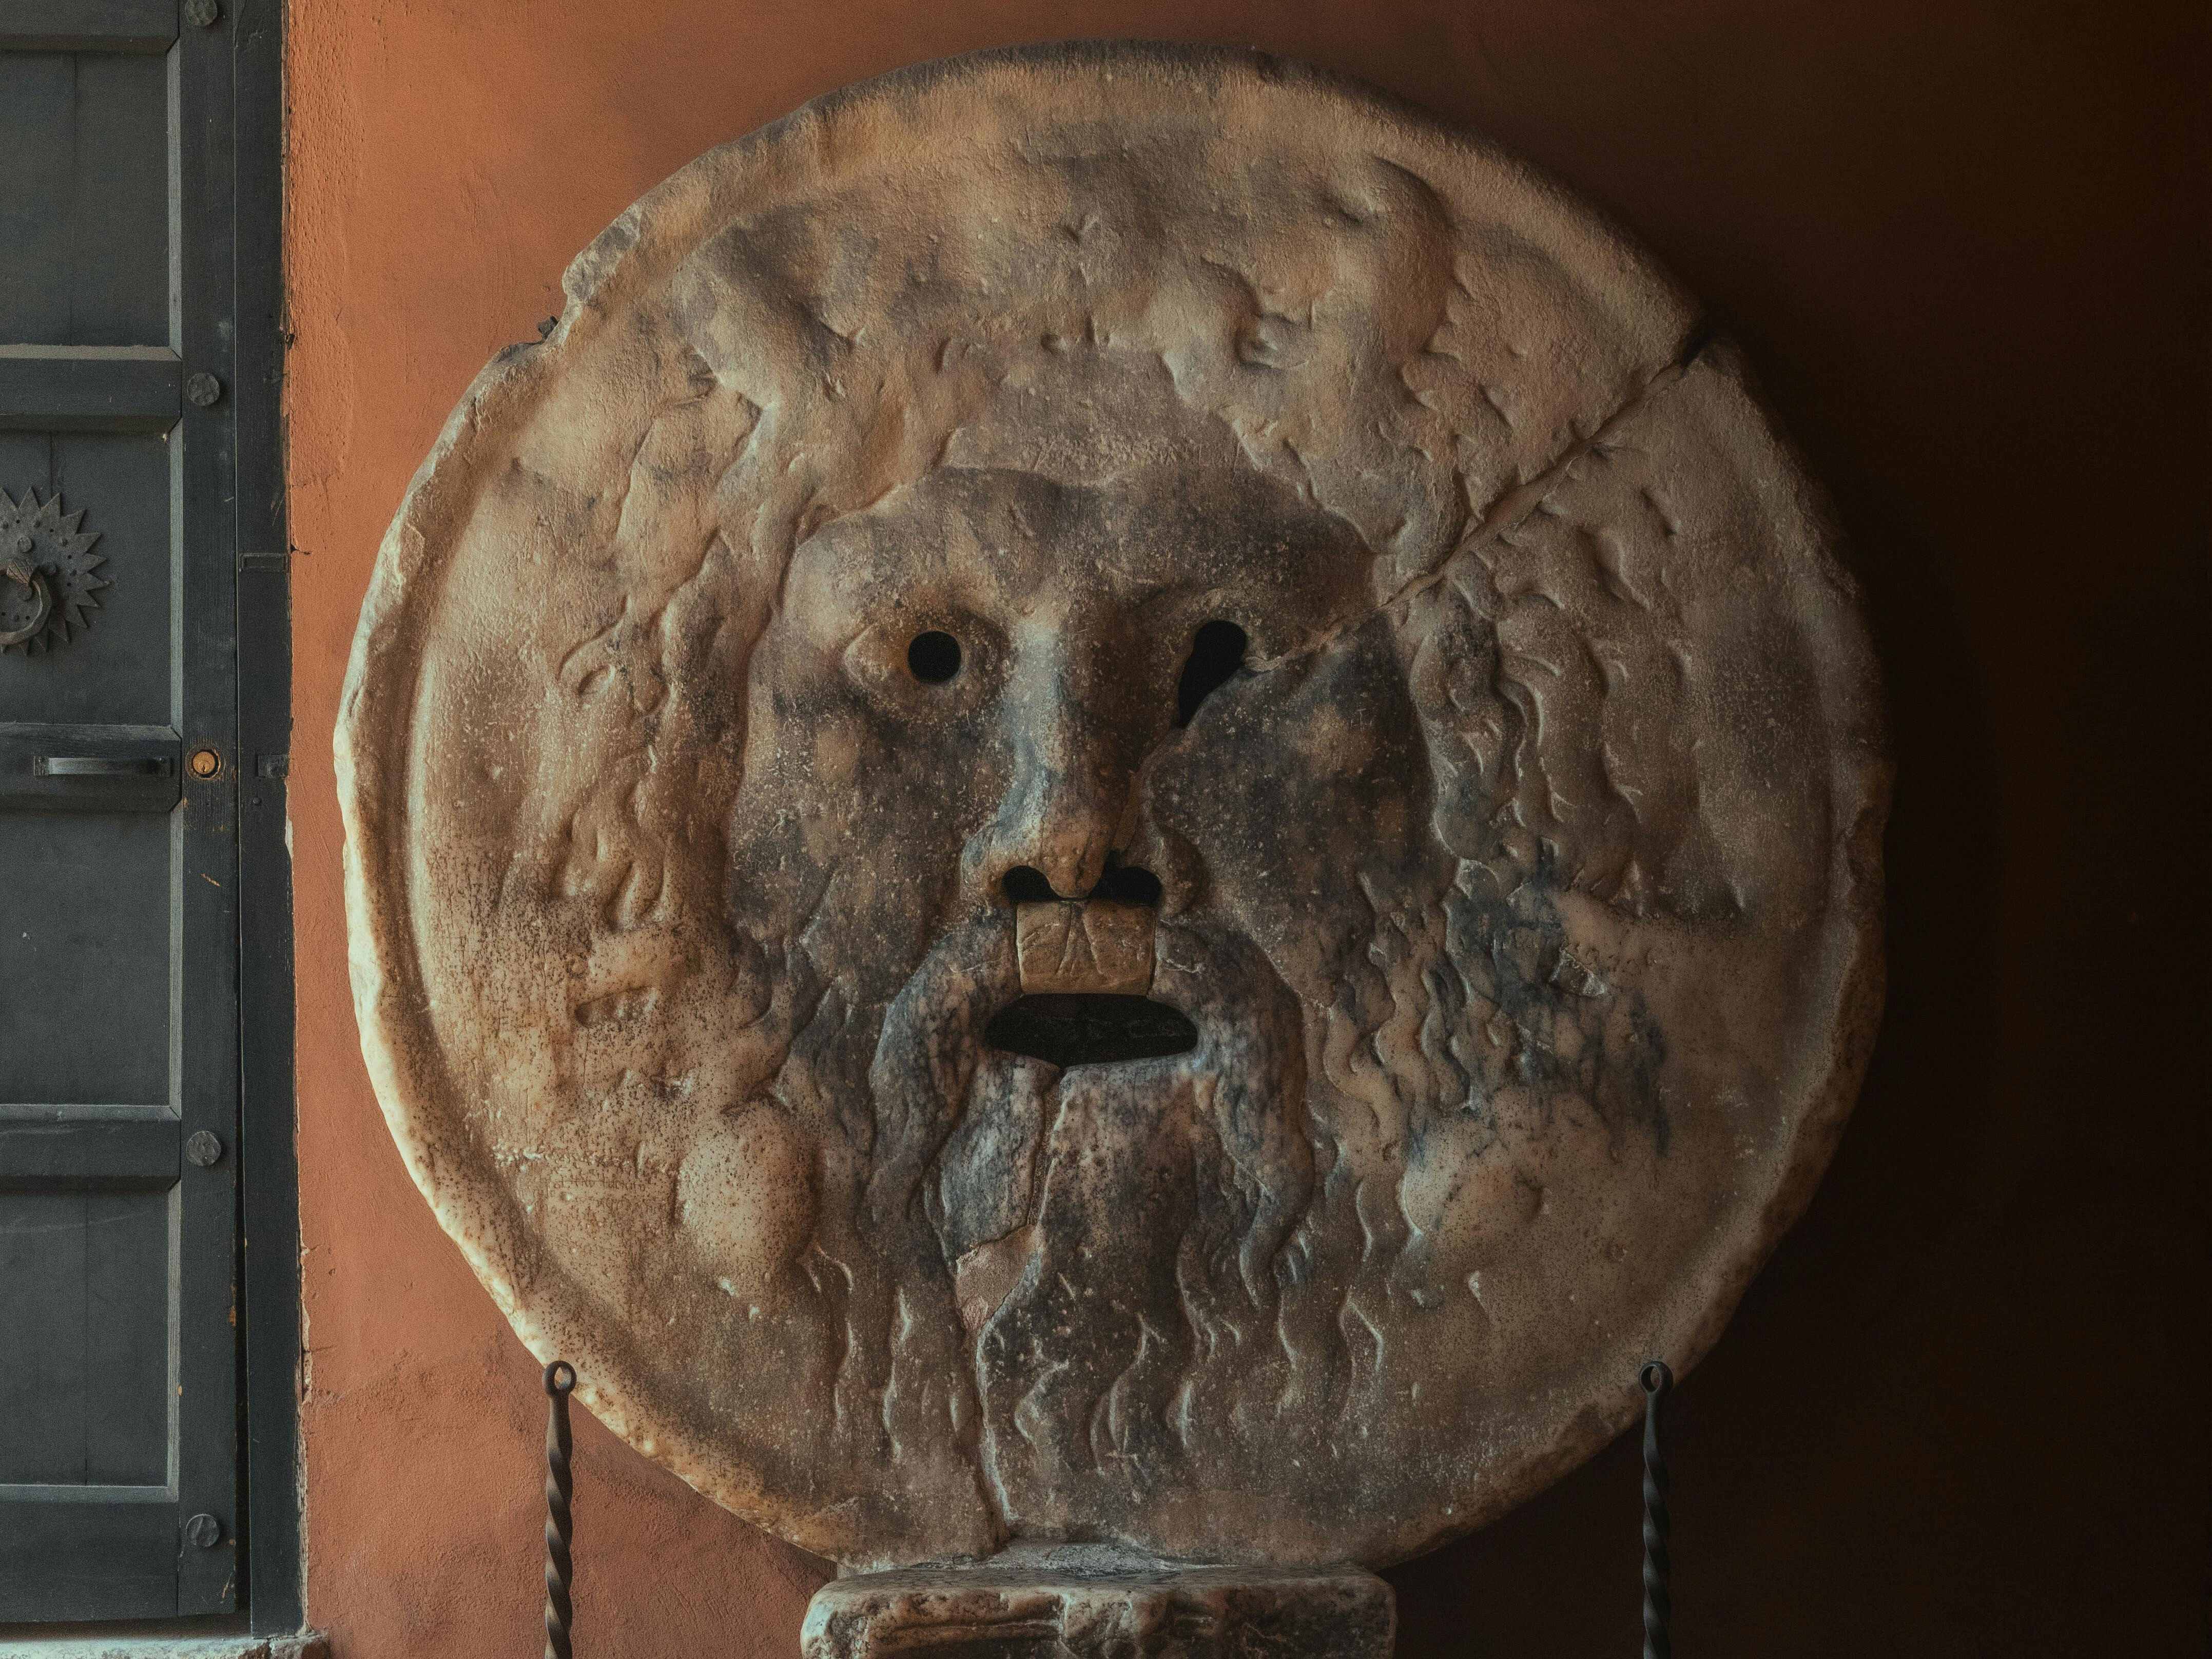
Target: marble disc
1127, 800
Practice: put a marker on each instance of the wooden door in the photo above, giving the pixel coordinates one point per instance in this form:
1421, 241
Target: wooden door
120, 794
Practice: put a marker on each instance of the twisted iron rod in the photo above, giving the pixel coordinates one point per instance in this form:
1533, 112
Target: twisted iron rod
560, 1378
1658, 1608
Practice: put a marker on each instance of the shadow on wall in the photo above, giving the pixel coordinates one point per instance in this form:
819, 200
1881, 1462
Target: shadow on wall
1803, 1398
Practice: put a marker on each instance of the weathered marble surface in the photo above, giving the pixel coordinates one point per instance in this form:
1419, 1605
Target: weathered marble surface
1082, 1600
1518, 892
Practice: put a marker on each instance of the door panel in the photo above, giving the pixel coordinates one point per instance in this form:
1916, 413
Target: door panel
84, 197
86, 960
118, 922
83, 1283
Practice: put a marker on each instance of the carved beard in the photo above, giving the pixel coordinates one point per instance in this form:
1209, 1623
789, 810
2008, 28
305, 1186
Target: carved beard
1083, 1283
1141, 1290
1116, 1238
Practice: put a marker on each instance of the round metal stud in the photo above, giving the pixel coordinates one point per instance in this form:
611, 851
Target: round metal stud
203, 1532
202, 14
204, 1148
203, 391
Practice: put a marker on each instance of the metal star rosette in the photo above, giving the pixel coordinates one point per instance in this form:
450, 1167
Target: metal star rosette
48, 572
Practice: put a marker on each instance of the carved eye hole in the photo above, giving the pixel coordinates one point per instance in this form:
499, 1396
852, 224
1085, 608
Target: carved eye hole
933, 657
1217, 651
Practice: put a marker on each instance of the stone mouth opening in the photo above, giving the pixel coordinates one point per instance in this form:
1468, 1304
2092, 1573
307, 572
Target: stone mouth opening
1090, 1028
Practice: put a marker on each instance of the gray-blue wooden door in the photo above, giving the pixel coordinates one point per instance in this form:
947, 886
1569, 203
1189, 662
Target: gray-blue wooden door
118, 864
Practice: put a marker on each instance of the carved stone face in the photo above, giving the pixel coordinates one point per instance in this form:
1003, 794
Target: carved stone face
910, 825
1073, 607
1122, 802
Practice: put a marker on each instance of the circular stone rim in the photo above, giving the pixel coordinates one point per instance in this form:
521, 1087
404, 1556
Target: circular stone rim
373, 769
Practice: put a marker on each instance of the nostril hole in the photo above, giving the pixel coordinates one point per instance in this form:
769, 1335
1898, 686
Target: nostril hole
933, 657
1025, 885
1217, 651
1131, 884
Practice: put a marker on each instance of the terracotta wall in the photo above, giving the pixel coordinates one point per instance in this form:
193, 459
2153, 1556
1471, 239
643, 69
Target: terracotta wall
1953, 1416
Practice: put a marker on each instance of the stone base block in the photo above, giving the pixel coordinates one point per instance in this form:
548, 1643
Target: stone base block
1086, 1602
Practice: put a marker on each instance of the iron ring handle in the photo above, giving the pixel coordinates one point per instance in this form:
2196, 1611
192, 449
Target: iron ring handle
34, 579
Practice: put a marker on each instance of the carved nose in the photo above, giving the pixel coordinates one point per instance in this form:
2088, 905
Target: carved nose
1061, 824
1076, 744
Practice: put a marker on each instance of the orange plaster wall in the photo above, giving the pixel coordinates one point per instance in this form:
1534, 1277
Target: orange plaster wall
1949, 234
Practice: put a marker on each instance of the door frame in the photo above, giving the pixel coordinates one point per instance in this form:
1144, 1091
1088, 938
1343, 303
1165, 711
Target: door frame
270, 1358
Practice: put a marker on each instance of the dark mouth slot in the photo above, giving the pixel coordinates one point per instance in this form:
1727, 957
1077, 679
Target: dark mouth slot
1090, 1028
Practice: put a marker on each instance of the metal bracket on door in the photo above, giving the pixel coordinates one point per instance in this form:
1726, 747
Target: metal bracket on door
88, 768
101, 766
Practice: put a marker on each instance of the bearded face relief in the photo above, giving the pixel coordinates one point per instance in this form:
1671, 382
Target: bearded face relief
1127, 801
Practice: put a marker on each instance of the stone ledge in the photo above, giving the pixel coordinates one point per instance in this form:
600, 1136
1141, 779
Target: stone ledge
308, 1645
1089, 1603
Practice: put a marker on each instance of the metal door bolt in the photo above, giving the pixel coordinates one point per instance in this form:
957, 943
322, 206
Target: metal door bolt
205, 763
203, 1532
204, 1148
203, 391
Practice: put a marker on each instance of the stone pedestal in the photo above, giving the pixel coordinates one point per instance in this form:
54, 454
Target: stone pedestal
1089, 1603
